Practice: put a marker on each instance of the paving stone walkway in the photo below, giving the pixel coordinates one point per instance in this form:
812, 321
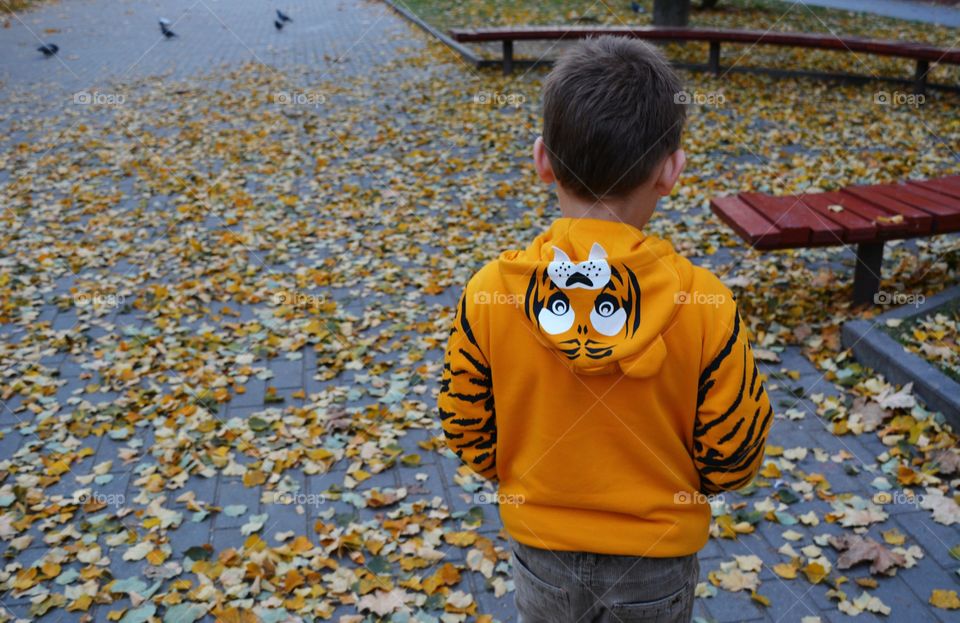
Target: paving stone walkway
102, 42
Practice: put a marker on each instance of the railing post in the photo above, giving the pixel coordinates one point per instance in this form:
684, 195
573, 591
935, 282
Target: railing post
920, 77
507, 57
866, 275
715, 57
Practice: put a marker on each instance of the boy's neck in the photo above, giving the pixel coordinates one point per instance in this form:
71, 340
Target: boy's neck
634, 209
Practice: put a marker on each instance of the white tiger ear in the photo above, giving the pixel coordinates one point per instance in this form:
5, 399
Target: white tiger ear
559, 255
597, 252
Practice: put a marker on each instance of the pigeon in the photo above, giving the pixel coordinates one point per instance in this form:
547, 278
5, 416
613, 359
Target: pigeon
635, 7
283, 16
278, 24
48, 49
169, 34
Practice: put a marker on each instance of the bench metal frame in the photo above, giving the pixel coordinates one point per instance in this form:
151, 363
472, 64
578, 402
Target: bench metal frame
923, 54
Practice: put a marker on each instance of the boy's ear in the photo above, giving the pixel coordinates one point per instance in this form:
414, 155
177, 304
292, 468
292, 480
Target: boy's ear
542, 161
670, 172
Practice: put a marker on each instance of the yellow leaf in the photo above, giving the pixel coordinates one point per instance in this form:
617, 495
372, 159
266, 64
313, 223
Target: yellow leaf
770, 471
898, 218
156, 557
254, 477
460, 539
944, 599
81, 604
785, 570
447, 575
815, 572
894, 536
57, 468
300, 545
26, 579
50, 569
760, 599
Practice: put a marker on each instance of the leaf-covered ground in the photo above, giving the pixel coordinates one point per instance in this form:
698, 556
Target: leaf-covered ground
935, 337
223, 302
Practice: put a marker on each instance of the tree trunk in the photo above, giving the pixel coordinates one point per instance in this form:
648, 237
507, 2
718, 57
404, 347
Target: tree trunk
671, 12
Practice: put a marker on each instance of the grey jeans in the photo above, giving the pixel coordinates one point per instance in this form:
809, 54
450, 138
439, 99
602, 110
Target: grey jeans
579, 587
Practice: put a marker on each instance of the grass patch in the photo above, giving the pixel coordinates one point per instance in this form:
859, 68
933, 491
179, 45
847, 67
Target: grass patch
19, 6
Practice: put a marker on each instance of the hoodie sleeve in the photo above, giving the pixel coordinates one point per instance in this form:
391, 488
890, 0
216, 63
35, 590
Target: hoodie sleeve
733, 411
466, 398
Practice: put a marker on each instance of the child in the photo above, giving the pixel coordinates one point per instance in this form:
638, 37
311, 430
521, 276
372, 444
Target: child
606, 382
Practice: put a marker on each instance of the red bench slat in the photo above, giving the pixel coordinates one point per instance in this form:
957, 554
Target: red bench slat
953, 181
794, 220
945, 209
938, 186
749, 225
856, 227
921, 222
879, 217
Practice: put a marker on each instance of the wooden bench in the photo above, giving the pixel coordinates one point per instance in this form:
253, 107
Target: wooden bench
866, 216
923, 54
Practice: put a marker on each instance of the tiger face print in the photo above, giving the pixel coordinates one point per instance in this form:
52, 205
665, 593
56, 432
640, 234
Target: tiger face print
581, 306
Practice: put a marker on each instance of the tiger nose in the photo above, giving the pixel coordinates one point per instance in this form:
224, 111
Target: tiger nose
581, 329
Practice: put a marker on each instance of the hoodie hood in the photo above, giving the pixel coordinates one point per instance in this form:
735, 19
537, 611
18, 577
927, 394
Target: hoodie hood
600, 293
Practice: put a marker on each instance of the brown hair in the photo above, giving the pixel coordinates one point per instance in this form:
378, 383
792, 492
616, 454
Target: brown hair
612, 111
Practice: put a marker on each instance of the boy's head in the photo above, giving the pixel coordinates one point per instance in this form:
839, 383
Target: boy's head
612, 120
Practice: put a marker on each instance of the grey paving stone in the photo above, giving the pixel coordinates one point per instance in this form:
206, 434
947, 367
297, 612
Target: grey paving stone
226, 538
9, 443
710, 550
432, 486
501, 608
746, 545
732, 608
253, 397
286, 373
204, 489
835, 616
700, 612
232, 492
789, 599
923, 578
189, 534
935, 539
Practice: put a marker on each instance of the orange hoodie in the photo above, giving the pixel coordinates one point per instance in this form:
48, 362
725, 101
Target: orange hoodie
607, 383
